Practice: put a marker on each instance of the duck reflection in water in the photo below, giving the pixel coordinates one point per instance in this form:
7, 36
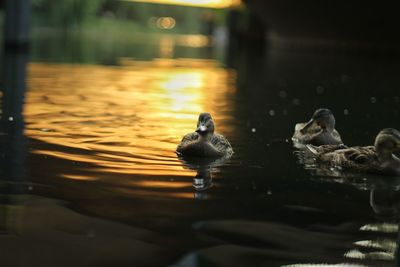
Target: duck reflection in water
385, 201
203, 178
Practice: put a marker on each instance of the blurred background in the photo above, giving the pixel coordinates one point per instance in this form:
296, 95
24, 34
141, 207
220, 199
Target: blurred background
96, 95
140, 29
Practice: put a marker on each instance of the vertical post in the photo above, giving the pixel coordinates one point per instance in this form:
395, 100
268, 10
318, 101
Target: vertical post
16, 42
232, 22
12, 140
246, 47
17, 23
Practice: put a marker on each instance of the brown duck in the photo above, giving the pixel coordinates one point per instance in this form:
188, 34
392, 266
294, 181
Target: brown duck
204, 142
373, 159
320, 130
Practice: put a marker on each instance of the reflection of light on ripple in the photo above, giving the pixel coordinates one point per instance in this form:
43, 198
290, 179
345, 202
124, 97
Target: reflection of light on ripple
183, 89
325, 265
386, 244
375, 255
78, 177
199, 3
161, 184
382, 227
126, 119
383, 249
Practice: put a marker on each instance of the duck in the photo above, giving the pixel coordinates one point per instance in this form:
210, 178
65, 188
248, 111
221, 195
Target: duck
319, 130
204, 141
378, 159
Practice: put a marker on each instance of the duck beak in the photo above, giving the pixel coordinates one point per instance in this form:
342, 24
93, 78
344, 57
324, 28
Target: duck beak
202, 128
308, 125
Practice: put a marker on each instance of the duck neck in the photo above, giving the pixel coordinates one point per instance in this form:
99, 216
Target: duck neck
329, 126
384, 154
327, 130
206, 137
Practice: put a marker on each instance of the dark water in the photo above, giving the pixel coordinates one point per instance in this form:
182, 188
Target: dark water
102, 185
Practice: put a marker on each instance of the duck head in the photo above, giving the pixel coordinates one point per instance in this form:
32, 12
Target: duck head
205, 126
386, 143
323, 118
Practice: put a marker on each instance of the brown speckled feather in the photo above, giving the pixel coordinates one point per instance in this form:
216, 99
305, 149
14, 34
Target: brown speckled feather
356, 158
371, 159
218, 142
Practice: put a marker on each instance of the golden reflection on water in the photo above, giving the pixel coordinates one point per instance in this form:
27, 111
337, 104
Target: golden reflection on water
197, 3
125, 119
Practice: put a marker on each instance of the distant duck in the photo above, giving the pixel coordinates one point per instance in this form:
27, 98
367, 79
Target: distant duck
320, 130
372, 159
204, 142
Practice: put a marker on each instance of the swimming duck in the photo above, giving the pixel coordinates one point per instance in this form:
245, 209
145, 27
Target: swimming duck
204, 142
320, 130
373, 159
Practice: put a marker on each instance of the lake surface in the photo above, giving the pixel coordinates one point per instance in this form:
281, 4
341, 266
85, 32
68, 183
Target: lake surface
102, 185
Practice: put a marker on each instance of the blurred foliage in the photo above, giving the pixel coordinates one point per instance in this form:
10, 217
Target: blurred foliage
87, 49
76, 14
65, 13
102, 31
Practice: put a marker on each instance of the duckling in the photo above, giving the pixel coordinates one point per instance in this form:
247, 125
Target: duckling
204, 142
320, 130
373, 159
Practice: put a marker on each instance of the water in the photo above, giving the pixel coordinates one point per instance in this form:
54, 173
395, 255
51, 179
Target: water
103, 185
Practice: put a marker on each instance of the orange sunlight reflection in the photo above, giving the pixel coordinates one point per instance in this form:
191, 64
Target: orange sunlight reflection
124, 120
198, 3
77, 177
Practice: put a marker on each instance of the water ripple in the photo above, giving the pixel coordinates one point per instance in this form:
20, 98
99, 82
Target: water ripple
124, 120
